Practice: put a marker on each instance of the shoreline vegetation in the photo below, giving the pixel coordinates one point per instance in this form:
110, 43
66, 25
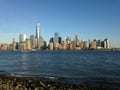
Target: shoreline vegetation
23, 83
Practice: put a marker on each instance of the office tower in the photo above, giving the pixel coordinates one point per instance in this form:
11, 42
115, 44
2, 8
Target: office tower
68, 40
107, 43
51, 40
76, 40
51, 47
27, 42
86, 44
33, 42
81, 44
22, 38
94, 44
37, 33
56, 40
14, 44
41, 43
99, 44
56, 37
60, 40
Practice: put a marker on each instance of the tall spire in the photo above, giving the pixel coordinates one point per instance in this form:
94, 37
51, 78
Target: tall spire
37, 32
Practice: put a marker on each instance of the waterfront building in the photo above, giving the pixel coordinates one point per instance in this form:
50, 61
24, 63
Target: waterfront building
37, 33
41, 44
74, 44
99, 44
107, 44
3, 46
71, 47
60, 47
51, 40
102, 44
33, 42
86, 44
14, 44
60, 40
28, 46
56, 37
56, 40
81, 44
68, 40
22, 38
22, 47
64, 46
56, 46
76, 40
51, 47
94, 44
10, 46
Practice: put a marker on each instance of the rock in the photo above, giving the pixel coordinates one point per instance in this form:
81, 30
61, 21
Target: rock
42, 84
36, 88
30, 81
18, 86
48, 85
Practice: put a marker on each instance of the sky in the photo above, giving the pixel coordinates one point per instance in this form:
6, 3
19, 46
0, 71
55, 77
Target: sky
89, 19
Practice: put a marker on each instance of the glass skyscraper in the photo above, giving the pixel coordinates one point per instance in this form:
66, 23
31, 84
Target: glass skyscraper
37, 33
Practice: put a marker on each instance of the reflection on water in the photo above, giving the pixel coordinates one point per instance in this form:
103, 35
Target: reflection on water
24, 58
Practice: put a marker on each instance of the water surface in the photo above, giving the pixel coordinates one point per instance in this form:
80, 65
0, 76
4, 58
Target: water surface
77, 65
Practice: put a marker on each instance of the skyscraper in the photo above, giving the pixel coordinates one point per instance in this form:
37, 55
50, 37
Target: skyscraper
37, 33
107, 43
56, 37
56, 40
22, 38
14, 44
33, 42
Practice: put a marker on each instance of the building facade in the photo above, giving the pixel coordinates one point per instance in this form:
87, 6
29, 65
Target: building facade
37, 33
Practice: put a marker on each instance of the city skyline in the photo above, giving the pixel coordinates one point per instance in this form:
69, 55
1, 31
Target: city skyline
95, 19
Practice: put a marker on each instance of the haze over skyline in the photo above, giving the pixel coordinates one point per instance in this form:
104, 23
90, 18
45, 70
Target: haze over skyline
89, 19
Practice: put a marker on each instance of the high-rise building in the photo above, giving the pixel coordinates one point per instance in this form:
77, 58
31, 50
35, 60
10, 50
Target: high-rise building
86, 44
60, 40
41, 43
51, 40
68, 40
56, 40
37, 33
22, 38
107, 43
76, 40
33, 42
94, 44
27, 42
14, 44
56, 37
51, 47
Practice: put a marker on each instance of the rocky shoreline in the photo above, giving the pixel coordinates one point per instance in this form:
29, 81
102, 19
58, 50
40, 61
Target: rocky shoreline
16, 83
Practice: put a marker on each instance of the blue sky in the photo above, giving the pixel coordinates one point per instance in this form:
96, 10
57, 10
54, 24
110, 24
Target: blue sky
89, 19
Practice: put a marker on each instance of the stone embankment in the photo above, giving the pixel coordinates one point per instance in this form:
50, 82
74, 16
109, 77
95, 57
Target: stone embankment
13, 83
